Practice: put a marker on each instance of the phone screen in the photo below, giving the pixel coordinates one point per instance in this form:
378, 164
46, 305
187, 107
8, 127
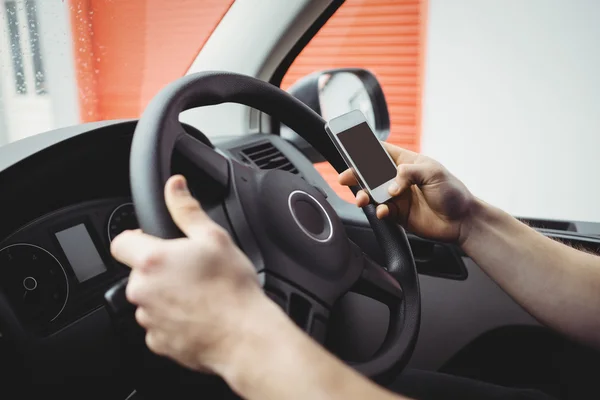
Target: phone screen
366, 152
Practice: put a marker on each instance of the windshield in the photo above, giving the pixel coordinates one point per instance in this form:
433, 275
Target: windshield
65, 62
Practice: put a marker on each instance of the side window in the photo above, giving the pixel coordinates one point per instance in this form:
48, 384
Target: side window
384, 37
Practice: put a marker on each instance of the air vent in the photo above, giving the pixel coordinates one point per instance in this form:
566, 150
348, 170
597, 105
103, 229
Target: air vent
266, 156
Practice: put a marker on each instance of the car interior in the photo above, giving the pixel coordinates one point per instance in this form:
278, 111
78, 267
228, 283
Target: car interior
379, 306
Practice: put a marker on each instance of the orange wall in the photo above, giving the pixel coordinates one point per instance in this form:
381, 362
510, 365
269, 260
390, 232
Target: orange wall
126, 51
386, 37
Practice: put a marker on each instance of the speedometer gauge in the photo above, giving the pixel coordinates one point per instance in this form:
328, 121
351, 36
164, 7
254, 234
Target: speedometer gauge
122, 218
34, 282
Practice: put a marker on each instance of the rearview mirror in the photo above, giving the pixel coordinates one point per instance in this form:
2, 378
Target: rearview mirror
335, 92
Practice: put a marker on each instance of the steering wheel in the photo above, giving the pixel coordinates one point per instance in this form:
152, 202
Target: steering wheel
286, 227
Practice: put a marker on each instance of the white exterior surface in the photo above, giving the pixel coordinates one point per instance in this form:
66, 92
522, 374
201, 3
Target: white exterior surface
28, 113
512, 102
250, 40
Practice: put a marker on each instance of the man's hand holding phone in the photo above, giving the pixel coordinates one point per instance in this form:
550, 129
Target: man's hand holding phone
425, 197
359, 147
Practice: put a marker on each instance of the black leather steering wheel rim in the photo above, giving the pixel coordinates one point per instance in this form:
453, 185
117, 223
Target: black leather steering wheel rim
157, 134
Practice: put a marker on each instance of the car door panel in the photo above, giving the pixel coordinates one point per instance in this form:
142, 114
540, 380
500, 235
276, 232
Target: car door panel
454, 313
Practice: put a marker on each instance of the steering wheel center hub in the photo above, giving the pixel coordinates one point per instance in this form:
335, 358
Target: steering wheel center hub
310, 215
287, 212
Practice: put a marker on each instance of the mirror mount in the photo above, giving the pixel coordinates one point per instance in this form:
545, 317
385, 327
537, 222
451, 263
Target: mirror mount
333, 92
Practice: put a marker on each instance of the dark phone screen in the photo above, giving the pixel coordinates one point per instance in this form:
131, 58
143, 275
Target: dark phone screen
366, 152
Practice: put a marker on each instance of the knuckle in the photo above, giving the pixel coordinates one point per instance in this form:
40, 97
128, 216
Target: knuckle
217, 235
150, 258
127, 233
154, 343
142, 317
121, 237
438, 171
187, 205
402, 171
119, 241
133, 293
435, 170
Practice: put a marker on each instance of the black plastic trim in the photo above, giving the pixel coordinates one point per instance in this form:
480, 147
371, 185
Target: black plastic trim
287, 61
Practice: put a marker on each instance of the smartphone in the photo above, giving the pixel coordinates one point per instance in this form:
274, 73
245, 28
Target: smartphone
372, 165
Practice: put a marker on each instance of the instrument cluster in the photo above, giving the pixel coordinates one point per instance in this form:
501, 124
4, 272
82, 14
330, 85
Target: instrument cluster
57, 268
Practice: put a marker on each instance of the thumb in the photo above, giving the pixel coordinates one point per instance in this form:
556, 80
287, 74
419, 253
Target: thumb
406, 176
185, 210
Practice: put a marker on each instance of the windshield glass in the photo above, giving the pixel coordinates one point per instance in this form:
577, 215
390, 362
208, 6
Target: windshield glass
65, 62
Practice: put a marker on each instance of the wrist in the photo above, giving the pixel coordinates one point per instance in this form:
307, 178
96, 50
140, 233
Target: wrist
261, 328
475, 217
275, 359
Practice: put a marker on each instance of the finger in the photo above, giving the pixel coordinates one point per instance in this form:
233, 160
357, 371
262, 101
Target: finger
156, 342
137, 291
185, 210
135, 249
142, 318
347, 178
400, 155
407, 175
362, 198
382, 211
401, 207
393, 212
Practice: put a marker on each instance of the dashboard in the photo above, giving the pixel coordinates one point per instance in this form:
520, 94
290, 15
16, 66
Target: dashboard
66, 203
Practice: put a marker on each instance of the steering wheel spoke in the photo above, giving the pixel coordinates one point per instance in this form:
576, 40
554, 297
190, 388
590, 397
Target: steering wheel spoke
377, 283
206, 159
307, 313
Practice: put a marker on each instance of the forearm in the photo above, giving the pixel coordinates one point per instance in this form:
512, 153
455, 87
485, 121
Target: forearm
557, 284
278, 361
